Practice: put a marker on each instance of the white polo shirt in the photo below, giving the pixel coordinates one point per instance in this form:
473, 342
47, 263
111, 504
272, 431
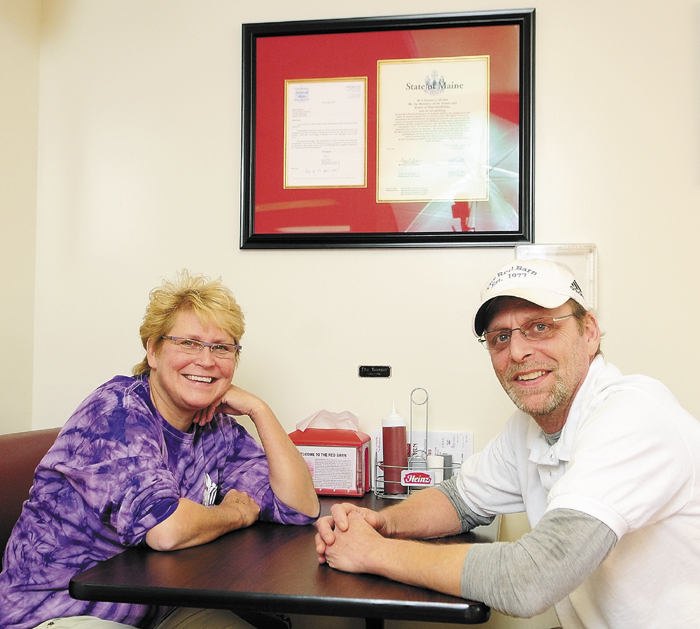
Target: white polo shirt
629, 456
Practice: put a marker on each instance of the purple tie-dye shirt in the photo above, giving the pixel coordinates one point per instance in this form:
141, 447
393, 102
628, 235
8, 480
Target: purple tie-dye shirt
116, 470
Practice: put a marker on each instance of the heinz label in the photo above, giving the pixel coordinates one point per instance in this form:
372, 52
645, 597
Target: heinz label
417, 478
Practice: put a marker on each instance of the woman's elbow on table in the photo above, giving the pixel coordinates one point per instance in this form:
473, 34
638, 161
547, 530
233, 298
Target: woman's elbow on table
162, 537
193, 524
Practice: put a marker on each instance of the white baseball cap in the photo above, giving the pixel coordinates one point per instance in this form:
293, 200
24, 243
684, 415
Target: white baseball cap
541, 282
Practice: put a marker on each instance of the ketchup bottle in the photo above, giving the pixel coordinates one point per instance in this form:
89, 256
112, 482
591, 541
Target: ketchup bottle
394, 447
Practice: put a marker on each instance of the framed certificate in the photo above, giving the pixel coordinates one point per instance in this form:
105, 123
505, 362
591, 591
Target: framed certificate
411, 131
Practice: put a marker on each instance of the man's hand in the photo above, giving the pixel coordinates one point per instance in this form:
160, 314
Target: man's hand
355, 546
359, 547
354, 539
339, 522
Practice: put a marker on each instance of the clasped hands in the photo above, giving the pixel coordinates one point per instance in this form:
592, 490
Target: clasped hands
350, 539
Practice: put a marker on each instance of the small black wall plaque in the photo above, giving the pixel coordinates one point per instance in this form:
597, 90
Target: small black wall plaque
375, 371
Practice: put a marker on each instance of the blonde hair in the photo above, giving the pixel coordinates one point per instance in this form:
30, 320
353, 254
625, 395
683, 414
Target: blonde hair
210, 301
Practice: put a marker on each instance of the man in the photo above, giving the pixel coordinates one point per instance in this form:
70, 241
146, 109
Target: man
606, 466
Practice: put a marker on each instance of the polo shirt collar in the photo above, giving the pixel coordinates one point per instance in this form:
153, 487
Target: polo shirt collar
541, 453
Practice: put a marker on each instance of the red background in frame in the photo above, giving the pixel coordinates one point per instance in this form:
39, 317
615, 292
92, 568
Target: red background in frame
335, 55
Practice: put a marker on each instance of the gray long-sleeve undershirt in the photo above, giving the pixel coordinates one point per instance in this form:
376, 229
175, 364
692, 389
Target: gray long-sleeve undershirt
527, 577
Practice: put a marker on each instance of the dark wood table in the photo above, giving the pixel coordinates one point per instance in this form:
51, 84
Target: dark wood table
270, 568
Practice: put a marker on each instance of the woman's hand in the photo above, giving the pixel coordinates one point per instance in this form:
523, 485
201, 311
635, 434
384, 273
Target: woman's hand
243, 504
235, 401
192, 524
290, 478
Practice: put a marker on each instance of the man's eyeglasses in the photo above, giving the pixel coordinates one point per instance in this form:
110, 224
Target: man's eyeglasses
218, 350
535, 330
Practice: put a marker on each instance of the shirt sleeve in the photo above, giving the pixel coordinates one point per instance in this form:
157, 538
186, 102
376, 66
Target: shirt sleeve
527, 577
247, 470
113, 458
629, 465
467, 517
489, 482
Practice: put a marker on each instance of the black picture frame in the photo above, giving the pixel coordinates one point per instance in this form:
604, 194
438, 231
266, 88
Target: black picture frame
263, 144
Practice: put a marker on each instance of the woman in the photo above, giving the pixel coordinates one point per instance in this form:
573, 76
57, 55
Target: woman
155, 459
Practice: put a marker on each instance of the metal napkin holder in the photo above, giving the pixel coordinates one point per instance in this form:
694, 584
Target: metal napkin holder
417, 469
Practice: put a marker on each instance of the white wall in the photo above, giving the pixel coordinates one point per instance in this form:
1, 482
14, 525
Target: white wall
19, 120
139, 164
138, 176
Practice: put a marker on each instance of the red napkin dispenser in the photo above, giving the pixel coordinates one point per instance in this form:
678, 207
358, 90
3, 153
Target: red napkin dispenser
338, 460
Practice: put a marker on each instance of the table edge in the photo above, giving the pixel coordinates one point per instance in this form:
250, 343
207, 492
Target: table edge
466, 612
